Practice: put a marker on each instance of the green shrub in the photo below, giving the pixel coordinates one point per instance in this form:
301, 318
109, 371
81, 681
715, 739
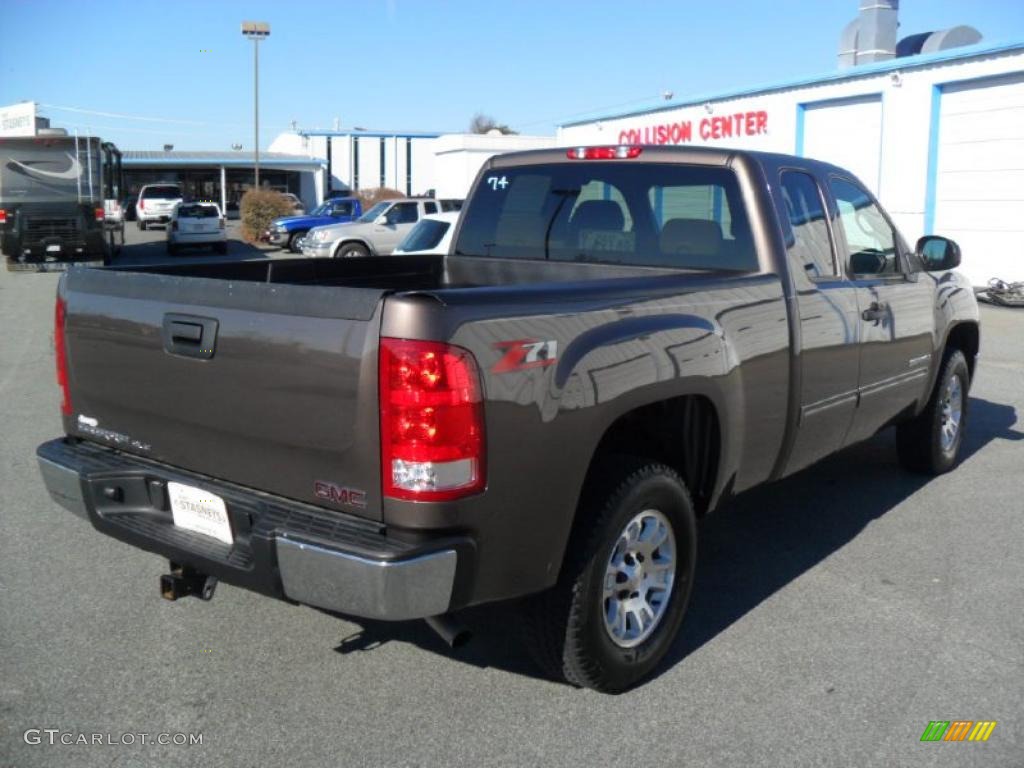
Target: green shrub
258, 208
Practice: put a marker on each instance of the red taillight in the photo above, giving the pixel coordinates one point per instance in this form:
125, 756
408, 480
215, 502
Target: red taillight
99, 214
431, 421
604, 153
141, 204
3, 216
61, 353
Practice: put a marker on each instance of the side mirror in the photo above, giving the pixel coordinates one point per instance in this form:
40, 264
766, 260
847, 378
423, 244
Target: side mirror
382, 220
938, 254
867, 263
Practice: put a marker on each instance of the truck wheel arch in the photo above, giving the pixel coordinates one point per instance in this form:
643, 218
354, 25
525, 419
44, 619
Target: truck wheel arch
683, 432
355, 241
698, 452
965, 336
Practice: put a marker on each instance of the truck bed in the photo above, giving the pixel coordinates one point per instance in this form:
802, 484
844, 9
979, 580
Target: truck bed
285, 396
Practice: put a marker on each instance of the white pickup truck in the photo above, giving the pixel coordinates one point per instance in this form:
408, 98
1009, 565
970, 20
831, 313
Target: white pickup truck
376, 233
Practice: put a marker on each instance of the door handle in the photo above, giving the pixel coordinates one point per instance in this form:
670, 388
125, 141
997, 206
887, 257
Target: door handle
189, 335
875, 312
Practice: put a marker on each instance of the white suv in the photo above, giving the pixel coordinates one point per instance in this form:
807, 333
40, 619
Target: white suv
156, 203
196, 224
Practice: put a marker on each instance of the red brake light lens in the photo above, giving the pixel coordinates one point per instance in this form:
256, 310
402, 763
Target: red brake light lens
99, 214
3, 216
621, 152
141, 204
61, 354
431, 421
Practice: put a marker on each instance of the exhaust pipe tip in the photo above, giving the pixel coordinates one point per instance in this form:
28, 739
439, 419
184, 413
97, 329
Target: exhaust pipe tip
454, 633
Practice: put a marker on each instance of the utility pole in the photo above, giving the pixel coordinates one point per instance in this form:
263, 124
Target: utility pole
256, 31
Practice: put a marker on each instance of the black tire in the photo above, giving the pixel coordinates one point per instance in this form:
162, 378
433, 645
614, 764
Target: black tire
565, 625
919, 442
350, 251
172, 249
141, 225
293, 237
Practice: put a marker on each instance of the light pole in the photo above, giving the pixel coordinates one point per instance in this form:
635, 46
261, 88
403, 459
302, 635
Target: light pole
256, 31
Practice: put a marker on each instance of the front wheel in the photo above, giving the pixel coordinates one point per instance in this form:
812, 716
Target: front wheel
619, 602
293, 239
930, 442
351, 250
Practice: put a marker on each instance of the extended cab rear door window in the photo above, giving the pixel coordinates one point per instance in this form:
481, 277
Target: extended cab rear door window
808, 240
643, 214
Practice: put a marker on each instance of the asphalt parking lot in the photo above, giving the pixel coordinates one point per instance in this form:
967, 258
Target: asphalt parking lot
836, 613
150, 247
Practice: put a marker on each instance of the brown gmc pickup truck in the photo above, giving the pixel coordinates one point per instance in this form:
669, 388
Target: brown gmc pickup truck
621, 339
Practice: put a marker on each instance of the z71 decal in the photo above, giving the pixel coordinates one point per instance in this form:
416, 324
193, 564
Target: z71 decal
525, 353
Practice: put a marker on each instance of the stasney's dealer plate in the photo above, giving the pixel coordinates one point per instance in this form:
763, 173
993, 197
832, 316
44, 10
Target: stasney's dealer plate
201, 511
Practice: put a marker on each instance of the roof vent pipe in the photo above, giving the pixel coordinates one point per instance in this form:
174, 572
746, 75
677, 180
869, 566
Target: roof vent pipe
872, 35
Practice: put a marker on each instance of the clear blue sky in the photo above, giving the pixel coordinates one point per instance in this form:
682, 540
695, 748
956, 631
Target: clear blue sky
412, 64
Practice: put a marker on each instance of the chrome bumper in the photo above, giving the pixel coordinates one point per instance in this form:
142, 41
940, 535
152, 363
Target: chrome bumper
317, 250
397, 585
378, 589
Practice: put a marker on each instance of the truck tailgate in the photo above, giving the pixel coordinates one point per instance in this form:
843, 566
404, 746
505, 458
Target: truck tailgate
271, 386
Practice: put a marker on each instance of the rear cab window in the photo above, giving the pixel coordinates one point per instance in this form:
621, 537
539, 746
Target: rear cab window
198, 211
642, 214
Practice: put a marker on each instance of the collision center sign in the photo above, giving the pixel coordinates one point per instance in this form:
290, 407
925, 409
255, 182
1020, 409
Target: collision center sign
734, 126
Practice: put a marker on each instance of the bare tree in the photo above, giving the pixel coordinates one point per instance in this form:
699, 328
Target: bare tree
484, 123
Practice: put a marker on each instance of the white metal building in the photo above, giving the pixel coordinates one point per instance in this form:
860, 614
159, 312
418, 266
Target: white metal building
939, 138
458, 157
413, 163
367, 159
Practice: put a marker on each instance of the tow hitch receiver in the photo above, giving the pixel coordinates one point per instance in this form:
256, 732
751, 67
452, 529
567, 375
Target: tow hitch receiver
182, 581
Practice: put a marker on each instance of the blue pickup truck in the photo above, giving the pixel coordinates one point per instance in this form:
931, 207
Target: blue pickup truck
288, 230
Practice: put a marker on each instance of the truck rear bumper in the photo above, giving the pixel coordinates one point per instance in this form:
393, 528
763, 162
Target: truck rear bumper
282, 548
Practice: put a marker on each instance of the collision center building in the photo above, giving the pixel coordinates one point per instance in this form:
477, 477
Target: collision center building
938, 137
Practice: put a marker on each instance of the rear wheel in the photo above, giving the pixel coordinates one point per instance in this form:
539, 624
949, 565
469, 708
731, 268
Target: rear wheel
351, 250
142, 225
930, 442
620, 600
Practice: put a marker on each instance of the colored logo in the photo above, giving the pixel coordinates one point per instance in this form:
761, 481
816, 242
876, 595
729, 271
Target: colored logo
958, 730
525, 353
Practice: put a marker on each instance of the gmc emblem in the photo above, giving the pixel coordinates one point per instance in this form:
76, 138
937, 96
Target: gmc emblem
337, 494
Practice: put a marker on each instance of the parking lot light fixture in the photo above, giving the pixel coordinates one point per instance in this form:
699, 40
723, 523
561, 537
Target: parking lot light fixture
256, 31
